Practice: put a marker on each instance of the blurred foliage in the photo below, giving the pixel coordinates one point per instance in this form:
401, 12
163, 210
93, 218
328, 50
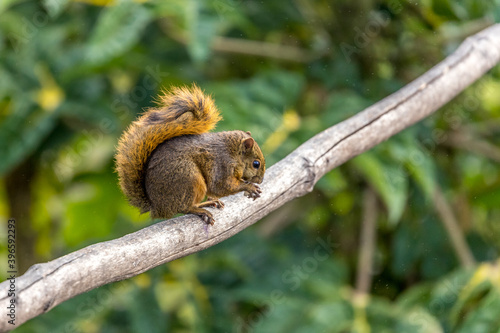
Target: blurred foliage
75, 73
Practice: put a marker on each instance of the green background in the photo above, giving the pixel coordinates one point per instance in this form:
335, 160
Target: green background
74, 74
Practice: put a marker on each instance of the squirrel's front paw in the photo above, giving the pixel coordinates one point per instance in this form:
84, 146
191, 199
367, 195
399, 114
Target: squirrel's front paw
253, 191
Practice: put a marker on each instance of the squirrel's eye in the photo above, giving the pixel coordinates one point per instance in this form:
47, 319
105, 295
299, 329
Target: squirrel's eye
256, 164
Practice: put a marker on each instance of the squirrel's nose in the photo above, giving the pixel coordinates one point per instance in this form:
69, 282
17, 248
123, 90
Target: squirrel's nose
257, 179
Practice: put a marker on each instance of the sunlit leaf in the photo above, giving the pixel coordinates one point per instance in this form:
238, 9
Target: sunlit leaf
387, 181
6, 3
20, 137
90, 211
118, 29
201, 31
55, 7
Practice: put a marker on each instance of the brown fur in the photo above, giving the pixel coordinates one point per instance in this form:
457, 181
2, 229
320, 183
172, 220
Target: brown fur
167, 163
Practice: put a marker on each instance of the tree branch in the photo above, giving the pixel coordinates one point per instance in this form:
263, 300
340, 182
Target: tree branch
452, 227
46, 285
367, 244
246, 46
463, 140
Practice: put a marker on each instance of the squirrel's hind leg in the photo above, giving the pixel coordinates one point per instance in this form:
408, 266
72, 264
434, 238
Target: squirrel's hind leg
204, 214
199, 189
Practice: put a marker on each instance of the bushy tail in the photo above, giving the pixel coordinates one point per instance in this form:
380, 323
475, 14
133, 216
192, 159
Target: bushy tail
181, 111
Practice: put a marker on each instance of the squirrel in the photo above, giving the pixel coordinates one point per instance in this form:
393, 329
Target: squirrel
167, 161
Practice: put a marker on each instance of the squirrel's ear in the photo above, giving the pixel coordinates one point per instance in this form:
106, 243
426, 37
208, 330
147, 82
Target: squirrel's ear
248, 132
248, 143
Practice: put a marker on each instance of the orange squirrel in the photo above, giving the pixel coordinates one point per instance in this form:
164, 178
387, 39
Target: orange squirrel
167, 161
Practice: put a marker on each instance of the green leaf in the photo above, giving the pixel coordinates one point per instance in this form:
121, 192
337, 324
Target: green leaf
5, 4
145, 315
479, 293
118, 29
342, 105
22, 132
446, 292
7, 83
55, 7
387, 180
416, 160
202, 30
258, 103
417, 295
405, 252
324, 314
92, 205
417, 320
484, 315
308, 317
422, 169
444, 8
